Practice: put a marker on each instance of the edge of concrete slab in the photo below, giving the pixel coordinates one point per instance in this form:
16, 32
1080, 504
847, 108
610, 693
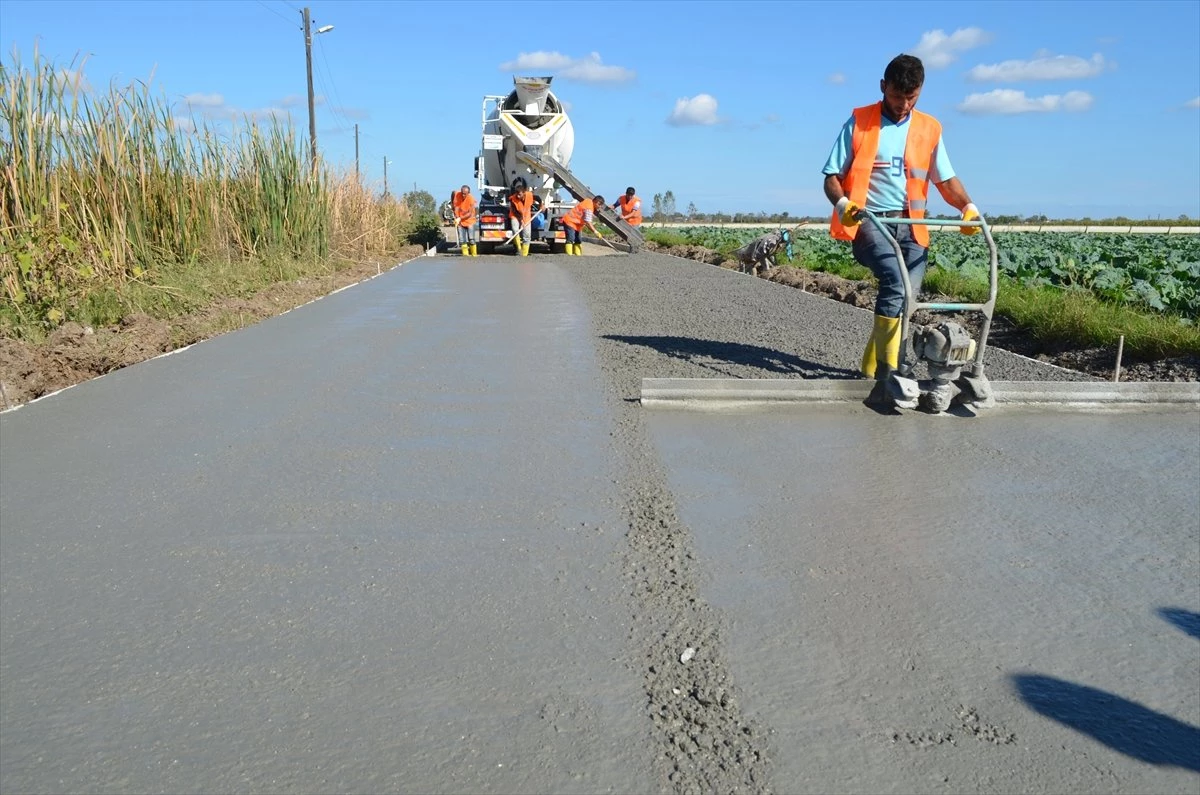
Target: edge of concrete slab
714, 392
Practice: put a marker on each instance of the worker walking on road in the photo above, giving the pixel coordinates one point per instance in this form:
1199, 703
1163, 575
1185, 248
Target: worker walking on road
466, 221
883, 160
630, 207
581, 215
520, 214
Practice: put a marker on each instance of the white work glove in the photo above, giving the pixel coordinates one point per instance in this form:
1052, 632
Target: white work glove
970, 213
847, 210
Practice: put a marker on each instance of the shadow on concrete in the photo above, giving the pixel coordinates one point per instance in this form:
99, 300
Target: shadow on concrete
711, 354
1183, 620
1124, 726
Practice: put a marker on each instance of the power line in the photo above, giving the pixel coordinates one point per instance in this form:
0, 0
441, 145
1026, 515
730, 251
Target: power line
276, 13
337, 96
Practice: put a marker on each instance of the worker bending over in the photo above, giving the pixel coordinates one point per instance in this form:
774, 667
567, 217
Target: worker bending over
630, 207
521, 203
883, 160
581, 215
466, 221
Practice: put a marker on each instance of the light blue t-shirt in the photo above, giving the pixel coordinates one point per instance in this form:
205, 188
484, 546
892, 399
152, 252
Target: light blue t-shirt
886, 190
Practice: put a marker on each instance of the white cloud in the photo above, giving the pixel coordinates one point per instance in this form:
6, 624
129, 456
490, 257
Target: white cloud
214, 107
837, 78
531, 61
292, 101
591, 70
698, 110
204, 100
74, 80
265, 114
1046, 67
937, 50
588, 69
1192, 103
1007, 101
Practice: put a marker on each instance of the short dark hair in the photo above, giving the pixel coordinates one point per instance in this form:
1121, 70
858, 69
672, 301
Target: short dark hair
630, 191
598, 200
905, 72
519, 182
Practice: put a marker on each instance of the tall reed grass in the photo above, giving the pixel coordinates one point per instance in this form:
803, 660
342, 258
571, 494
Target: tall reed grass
102, 187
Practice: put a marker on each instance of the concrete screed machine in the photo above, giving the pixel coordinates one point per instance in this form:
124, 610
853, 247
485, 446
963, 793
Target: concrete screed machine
946, 348
527, 134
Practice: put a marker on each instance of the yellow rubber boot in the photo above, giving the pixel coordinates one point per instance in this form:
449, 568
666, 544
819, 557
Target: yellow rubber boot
474, 250
887, 345
466, 250
579, 249
868, 359
524, 249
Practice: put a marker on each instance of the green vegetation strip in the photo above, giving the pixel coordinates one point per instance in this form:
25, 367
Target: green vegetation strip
112, 204
1079, 289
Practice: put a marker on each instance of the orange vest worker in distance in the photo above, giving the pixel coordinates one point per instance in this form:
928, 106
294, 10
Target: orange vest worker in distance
456, 197
630, 207
520, 206
465, 221
520, 213
580, 216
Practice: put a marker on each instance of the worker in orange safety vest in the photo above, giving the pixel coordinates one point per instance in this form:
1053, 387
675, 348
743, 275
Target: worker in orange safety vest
521, 202
465, 221
883, 160
581, 215
630, 207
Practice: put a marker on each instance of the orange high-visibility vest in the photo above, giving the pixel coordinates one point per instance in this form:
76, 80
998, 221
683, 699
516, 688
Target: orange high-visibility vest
574, 219
628, 205
464, 209
923, 134
455, 198
519, 208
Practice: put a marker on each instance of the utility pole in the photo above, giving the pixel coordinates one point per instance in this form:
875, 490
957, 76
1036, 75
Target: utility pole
312, 115
385, 176
356, 153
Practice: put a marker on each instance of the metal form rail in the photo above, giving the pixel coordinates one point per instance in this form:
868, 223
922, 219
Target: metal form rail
573, 185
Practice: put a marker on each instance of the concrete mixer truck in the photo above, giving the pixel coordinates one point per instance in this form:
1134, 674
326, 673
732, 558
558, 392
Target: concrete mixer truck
527, 134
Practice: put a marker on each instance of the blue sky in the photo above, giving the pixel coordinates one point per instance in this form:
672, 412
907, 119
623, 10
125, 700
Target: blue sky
1062, 108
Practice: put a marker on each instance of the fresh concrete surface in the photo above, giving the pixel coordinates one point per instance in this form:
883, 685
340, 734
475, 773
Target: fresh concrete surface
923, 604
356, 548
421, 536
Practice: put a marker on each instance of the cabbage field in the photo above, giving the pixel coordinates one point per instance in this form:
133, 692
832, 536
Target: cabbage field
1154, 272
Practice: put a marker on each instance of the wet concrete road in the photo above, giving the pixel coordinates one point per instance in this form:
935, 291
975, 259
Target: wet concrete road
419, 537
351, 549
919, 604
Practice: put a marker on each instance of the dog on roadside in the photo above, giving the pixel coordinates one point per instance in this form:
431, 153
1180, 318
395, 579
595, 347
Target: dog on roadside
758, 256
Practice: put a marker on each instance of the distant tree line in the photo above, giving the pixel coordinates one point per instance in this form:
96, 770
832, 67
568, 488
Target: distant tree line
664, 210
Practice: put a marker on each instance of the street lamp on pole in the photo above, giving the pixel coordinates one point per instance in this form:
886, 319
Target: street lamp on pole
312, 114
